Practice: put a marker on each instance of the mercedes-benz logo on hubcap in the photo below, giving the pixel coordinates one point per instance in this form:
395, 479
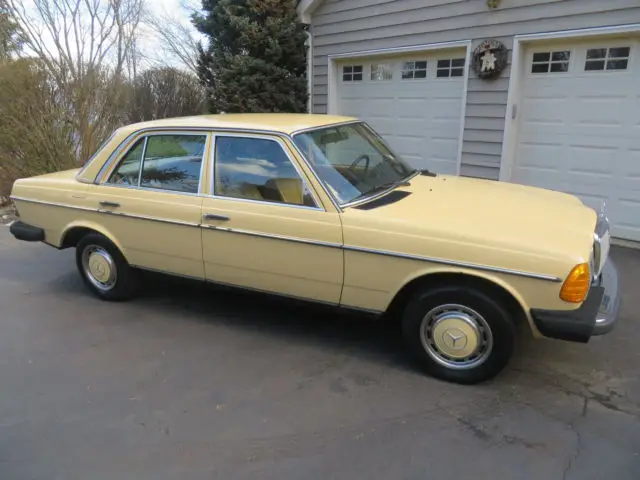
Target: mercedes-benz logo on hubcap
455, 339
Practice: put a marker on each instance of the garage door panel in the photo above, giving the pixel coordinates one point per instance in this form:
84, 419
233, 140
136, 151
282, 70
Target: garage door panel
545, 112
418, 114
539, 155
579, 132
601, 112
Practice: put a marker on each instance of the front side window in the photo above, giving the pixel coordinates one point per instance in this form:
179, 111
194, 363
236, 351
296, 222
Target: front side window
257, 169
164, 162
352, 160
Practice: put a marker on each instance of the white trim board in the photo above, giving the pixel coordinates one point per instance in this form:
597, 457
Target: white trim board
333, 76
510, 135
306, 8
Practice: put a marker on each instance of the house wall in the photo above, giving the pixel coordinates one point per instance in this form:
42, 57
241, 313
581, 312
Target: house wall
343, 26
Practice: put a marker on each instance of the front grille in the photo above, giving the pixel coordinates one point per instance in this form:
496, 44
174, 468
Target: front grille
601, 243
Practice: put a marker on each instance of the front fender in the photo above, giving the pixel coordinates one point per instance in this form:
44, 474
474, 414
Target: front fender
513, 285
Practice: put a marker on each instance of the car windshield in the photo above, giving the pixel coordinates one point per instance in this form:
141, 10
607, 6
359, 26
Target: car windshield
352, 160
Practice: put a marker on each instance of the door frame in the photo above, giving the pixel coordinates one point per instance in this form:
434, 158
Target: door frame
520, 44
333, 76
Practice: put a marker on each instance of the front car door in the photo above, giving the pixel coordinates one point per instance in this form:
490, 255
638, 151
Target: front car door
150, 200
265, 226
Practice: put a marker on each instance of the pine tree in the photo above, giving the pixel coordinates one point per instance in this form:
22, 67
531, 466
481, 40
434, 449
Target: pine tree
255, 60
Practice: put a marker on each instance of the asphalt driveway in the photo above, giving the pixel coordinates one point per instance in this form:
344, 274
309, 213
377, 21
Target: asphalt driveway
193, 382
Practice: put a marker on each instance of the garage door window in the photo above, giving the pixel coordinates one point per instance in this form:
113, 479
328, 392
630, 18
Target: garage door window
414, 69
601, 59
451, 67
352, 73
381, 71
551, 62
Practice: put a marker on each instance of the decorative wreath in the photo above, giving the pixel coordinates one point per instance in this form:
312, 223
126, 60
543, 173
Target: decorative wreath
489, 59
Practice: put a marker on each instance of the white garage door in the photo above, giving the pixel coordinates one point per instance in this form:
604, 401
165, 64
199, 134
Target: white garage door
579, 128
414, 101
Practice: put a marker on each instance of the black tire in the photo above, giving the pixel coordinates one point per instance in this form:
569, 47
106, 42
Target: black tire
501, 333
125, 284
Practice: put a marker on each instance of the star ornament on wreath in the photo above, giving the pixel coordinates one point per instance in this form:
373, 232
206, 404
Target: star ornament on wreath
489, 59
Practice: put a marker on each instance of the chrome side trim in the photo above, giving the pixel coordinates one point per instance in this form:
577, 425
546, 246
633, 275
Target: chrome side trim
269, 137
150, 219
107, 212
273, 236
473, 266
53, 204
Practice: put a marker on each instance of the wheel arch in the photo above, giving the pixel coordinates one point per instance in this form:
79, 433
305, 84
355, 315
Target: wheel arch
73, 232
512, 300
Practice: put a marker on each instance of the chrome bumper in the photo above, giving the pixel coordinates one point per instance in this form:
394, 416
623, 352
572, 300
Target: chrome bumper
607, 315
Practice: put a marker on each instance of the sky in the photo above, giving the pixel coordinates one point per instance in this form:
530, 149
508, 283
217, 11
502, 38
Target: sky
149, 43
179, 10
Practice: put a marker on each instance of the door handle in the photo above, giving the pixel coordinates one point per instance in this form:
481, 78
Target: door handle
110, 204
212, 216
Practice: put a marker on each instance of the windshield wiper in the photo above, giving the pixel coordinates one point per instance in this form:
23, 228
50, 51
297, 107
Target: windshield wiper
382, 187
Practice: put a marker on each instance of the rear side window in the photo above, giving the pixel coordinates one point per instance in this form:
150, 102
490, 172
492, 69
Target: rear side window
173, 162
128, 171
163, 162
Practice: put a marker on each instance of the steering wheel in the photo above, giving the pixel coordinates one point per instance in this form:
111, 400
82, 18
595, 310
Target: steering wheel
360, 159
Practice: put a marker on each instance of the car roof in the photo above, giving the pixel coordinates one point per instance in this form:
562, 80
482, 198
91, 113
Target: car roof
286, 123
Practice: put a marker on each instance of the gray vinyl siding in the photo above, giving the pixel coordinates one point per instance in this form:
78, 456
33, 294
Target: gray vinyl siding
344, 26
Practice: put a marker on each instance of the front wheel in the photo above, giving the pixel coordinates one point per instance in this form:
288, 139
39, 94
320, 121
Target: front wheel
459, 333
104, 269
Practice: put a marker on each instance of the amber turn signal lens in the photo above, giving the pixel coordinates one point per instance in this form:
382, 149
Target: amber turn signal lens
576, 285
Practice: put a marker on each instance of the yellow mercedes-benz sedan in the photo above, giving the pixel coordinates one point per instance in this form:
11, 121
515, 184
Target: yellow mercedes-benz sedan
320, 208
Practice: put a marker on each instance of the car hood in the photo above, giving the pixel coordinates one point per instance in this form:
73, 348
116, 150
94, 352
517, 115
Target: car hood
486, 215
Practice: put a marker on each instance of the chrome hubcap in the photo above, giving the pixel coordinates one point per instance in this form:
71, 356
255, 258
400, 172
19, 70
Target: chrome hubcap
99, 267
456, 336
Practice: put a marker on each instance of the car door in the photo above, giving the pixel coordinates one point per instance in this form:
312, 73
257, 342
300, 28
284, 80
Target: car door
149, 201
264, 226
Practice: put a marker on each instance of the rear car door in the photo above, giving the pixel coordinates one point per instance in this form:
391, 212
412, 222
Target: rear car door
151, 204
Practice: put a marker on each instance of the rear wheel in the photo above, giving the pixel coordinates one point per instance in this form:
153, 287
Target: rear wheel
104, 269
459, 333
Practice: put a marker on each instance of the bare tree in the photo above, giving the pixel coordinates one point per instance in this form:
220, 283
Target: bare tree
10, 40
179, 39
166, 92
77, 36
88, 48
34, 137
